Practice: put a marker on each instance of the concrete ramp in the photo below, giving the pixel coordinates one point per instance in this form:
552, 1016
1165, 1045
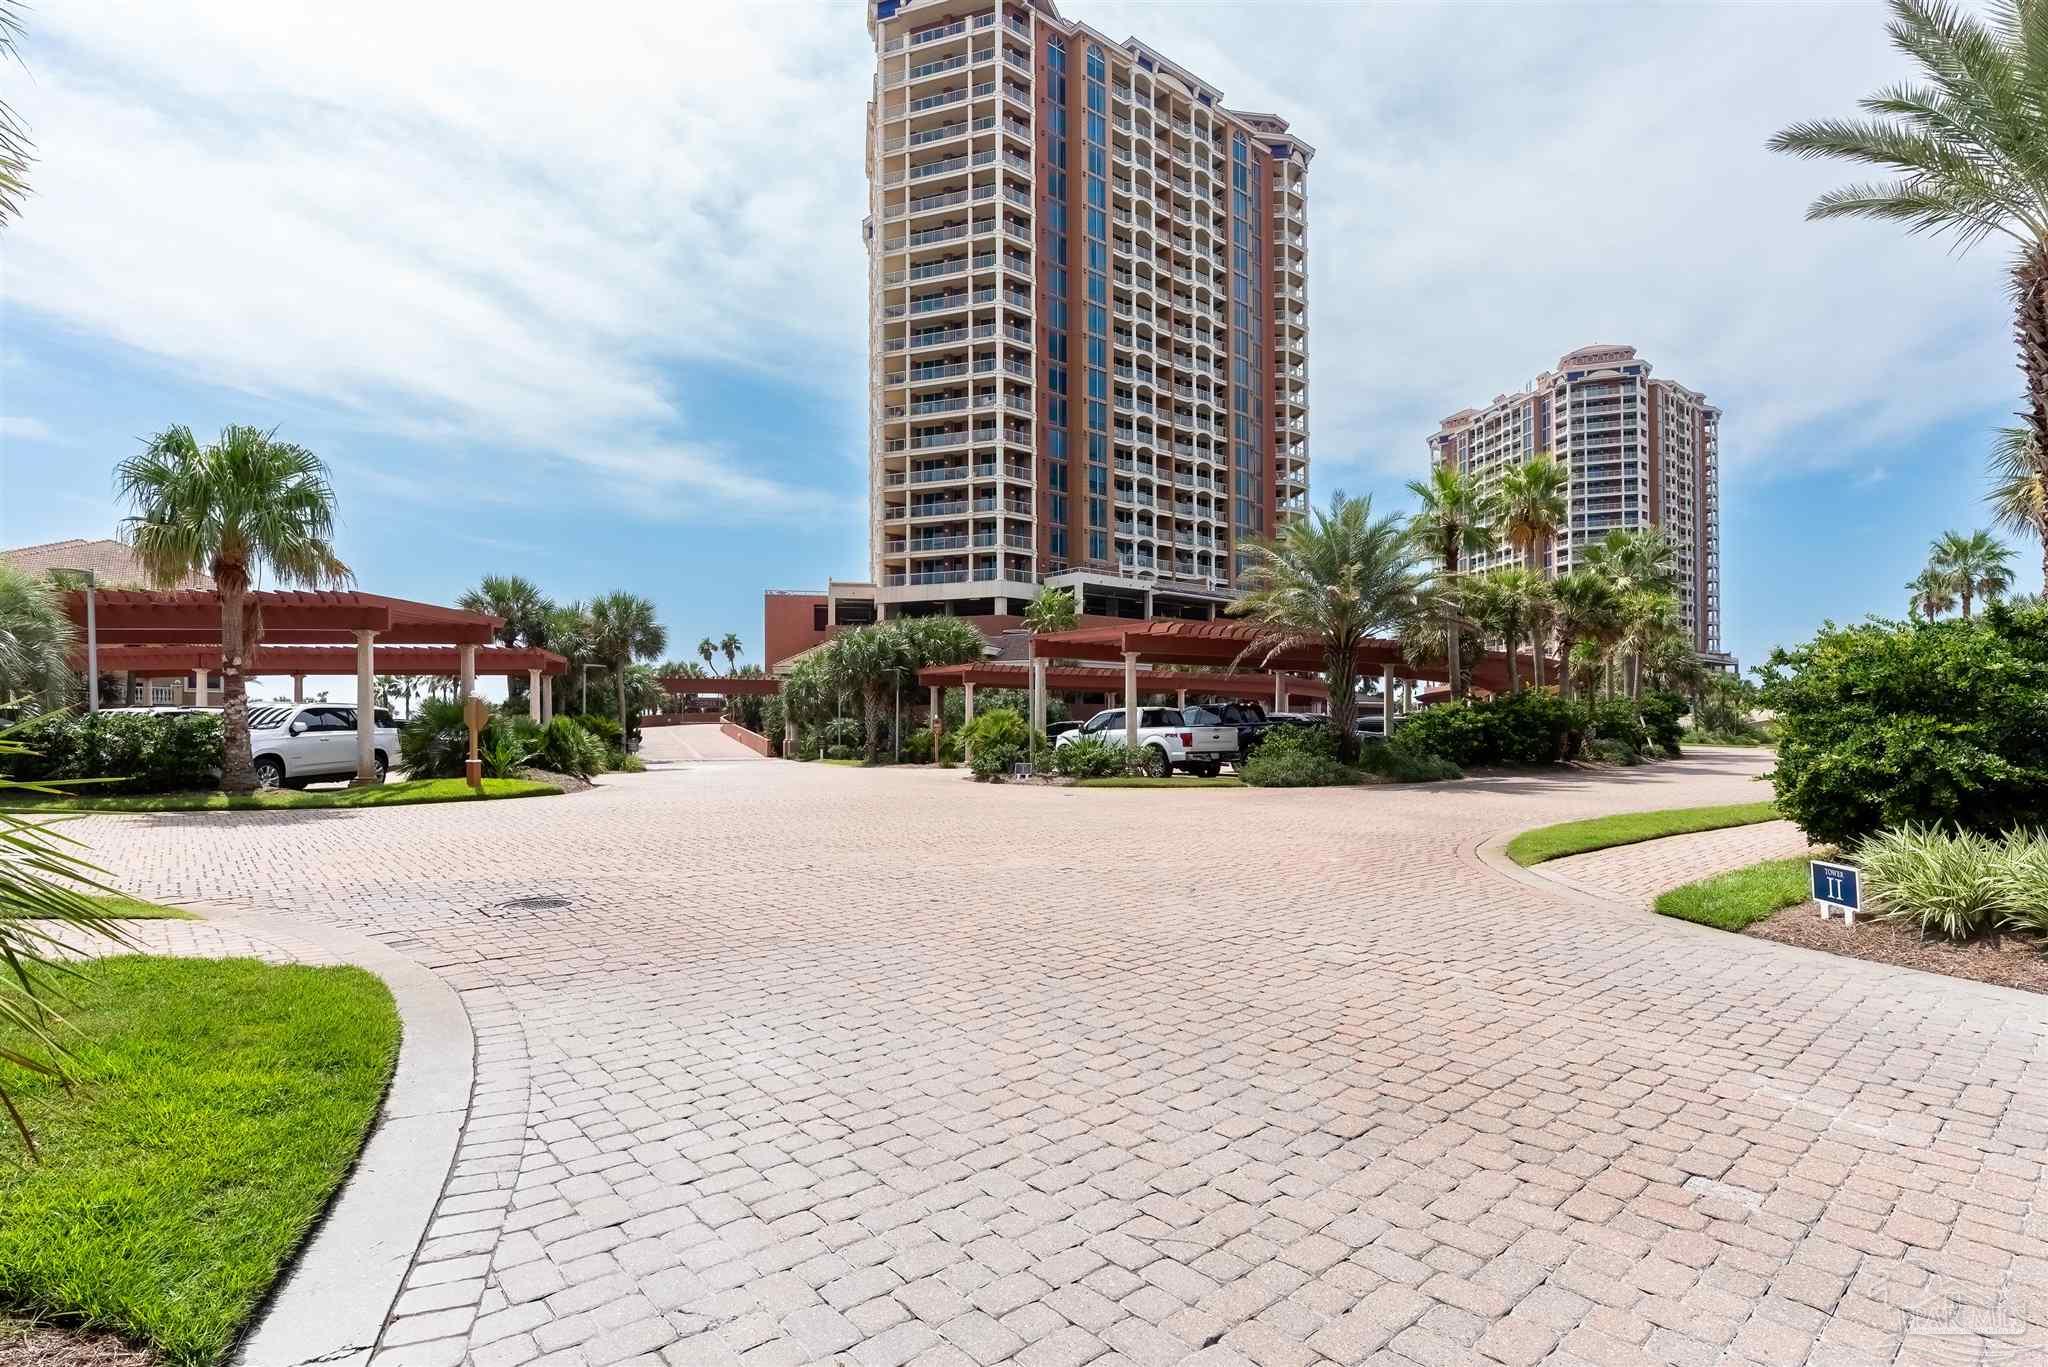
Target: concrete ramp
691, 745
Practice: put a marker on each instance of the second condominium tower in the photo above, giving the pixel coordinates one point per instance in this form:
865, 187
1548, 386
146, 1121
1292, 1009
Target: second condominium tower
1089, 328
1641, 452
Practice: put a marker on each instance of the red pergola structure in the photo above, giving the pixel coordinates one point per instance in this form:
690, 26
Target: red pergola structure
306, 632
711, 685
1230, 643
1071, 679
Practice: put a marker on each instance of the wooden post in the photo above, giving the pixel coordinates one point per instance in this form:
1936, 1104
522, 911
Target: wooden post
475, 712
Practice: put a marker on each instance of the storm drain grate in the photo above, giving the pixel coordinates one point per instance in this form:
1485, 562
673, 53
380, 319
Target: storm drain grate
520, 904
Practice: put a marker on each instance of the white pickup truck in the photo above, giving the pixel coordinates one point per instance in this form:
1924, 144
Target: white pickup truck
1165, 739
296, 743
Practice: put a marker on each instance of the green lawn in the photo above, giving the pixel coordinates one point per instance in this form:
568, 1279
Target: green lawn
223, 1103
388, 795
1143, 781
133, 909
1740, 897
1577, 837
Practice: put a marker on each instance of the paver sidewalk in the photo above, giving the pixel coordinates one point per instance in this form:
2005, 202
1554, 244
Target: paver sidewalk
786, 1065
1638, 872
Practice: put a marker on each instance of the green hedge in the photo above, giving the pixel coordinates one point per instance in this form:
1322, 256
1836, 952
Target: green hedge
145, 752
1889, 724
1522, 730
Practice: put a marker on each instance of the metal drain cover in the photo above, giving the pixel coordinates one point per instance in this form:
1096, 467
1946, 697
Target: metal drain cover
531, 904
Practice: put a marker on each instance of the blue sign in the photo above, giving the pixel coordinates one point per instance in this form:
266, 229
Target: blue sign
1835, 885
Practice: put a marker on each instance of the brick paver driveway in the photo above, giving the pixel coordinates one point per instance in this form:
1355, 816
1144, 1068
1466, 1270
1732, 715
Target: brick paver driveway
784, 1064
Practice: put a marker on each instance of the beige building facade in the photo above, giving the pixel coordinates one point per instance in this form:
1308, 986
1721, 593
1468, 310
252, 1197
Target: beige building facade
1088, 317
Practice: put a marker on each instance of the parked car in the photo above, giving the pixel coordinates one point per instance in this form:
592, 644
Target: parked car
297, 743
1167, 739
1372, 726
1054, 730
1252, 721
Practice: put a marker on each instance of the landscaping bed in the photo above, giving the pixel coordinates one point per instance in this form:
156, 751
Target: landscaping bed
386, 795
223, 1102
2017, 960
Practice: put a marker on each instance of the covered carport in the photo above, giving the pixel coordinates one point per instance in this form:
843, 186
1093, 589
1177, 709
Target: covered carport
1043, 678
303, 633
1232, 645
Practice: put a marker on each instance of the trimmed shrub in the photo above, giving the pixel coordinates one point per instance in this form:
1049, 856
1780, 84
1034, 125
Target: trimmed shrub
147, 753
1088, 757
841, 752
1888, 724
1660, 713
604, 728
841, 731
1276, 767
1522, 730
1616, 720
917, 746
949, 748
1399, 766
1612, 751
997, 739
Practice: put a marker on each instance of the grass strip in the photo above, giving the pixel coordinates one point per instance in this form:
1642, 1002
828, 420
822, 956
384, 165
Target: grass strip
222, 1103
1628, 828
412, 791
1741, 897
1142, 781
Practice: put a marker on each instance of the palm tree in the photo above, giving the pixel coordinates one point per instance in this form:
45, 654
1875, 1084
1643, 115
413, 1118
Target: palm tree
35, 644
1933, 593
1051, 610
524, 612
230, 510
1648, 616
706, 649
729, 646
865, 661
1966, 149
1586, 609
1639, 558
1504, 600
15, 145
1532, 504
1332, 580
623, 629
1456, 520
1977, 564
2019, 488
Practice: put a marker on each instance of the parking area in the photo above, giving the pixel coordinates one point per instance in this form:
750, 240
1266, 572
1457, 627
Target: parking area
786, 1064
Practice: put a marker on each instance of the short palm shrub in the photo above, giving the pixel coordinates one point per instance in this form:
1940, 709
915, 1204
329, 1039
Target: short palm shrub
917, 746
995, 740
567, 748
604, 728
146, 753
1088, 757
1890, 724
435, 742
948, 753
1948, 883
840, 731
508, 745
1399, 766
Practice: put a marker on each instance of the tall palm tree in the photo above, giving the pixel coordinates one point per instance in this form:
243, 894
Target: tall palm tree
1332, 580
523, 611
1639, 558
35, 644
729, 646
1504, 600
2019, 488
1966, 149
16, 148
1586, 608
1648, 617
231, 510
1532, 505
706, 650
1932, 593
1456, 520
864, 662
623, 629
1978, 564
1051, 610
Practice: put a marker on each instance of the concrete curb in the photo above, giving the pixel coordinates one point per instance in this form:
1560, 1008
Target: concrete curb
334, 1299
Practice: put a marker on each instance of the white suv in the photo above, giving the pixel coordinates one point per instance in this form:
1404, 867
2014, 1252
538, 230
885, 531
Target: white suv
295, 744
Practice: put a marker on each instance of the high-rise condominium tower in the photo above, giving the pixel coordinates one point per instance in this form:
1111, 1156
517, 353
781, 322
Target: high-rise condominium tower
1089, 326
1641, 452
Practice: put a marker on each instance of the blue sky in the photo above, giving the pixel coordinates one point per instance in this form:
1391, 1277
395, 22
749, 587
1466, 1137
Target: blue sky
587, 301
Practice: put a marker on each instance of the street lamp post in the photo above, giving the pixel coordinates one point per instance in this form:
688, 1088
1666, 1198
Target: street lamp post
583, 693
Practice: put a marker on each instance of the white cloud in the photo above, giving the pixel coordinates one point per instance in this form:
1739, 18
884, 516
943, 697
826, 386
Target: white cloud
24, 429
481, 223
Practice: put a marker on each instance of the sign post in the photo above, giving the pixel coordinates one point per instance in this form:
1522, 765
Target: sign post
1836, 887
475, 712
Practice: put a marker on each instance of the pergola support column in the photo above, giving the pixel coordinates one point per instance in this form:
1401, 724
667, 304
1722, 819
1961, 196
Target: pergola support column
1279, 692
298, 688
1130, 703
1386, 702
1037, 697
533, 694
938, 717
1182, 699
468, 673
366, 713
547, 698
